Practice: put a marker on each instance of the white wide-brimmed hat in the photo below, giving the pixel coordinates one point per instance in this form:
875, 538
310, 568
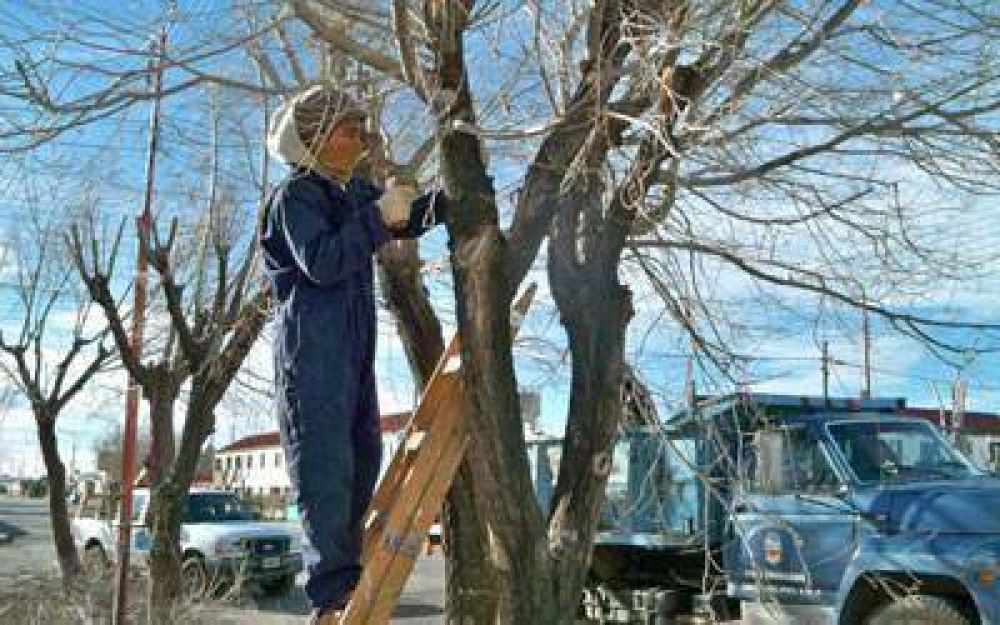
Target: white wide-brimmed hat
327, 106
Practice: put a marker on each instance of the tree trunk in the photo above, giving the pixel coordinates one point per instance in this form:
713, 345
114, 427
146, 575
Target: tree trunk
471, 590
470, 595
165, 506
62, 536
162, 393
498, 462
165, 589
595, 310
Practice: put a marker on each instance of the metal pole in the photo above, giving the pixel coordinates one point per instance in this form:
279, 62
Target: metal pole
826, 371
866, 390
143, 222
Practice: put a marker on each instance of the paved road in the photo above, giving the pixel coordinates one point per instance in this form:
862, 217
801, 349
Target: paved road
420, 604
28, 552
29, 557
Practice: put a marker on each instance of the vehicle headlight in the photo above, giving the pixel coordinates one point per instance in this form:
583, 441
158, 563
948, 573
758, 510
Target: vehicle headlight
985, 576
229, 547
984, 566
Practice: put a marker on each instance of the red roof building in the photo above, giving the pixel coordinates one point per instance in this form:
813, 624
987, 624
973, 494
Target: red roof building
255, 464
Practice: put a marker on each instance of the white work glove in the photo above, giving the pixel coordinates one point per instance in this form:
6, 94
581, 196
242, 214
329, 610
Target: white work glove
394, 205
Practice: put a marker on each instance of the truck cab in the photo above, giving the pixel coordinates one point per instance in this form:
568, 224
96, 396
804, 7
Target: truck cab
781, 509
854, 517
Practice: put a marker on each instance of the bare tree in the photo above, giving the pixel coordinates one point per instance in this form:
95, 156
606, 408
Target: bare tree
794, 145
49, 360
210, 311
210, 332
663, 113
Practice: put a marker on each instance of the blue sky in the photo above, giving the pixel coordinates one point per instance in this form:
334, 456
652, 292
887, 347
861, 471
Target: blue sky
781, 330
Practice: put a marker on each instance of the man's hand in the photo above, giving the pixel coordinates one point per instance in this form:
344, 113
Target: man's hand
394, 205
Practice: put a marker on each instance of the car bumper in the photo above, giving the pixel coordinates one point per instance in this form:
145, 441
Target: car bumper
256, 568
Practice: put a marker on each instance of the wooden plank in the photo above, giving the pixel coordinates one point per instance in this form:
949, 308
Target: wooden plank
435, 402
379, 555
416, 483
388, 486
395, 542
430, 505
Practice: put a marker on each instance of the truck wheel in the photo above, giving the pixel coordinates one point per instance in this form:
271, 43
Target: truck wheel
279, 587
194, 577
918, 609
95, 561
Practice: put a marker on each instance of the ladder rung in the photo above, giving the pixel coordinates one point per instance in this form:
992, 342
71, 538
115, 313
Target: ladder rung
453, 364
414, 440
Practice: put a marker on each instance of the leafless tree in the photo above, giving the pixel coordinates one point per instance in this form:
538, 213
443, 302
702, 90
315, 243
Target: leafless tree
688, 128
209, 312
810, 148
53, 353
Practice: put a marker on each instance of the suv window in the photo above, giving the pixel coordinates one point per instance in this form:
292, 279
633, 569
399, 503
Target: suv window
789, 460
211, 507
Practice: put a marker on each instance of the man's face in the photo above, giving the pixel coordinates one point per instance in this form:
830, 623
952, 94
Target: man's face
345, 146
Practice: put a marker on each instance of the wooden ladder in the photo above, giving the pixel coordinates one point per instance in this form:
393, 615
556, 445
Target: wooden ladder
412, 491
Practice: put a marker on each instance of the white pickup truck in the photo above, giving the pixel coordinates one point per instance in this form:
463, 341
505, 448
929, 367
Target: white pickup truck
221, 542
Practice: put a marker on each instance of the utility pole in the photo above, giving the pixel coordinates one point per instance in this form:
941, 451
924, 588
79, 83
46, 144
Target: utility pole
866, 338
143, 223
689, 383
866, 390
826, 371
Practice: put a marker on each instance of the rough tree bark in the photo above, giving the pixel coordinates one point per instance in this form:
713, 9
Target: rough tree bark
595, 310
66, 553
483, 297
469, 591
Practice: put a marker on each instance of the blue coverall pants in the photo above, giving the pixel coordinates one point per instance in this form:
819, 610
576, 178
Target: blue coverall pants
318, 239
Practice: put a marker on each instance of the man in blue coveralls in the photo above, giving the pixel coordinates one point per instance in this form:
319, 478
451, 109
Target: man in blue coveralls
318, 234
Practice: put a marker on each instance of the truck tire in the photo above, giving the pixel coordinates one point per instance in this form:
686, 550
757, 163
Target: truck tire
918, 610
194, 577
279, 587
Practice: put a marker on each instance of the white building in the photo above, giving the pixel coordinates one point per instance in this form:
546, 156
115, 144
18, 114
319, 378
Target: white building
255, 465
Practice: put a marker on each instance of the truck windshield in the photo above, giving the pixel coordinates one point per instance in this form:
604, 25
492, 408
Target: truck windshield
214, 507
891, 451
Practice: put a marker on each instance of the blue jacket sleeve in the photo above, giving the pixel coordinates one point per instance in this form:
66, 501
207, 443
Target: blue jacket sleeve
324, 253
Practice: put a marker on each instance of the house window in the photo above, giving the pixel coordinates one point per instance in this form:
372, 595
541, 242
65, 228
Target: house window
229, 462
277, 459
239, 464
249, 461
995, 454
218, 464
263, 462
